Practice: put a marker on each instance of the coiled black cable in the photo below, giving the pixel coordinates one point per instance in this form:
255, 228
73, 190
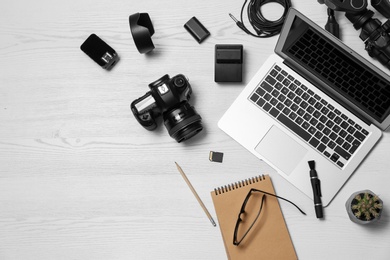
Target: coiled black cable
263, 27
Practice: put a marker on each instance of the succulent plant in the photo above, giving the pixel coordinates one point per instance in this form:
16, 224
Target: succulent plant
364, 207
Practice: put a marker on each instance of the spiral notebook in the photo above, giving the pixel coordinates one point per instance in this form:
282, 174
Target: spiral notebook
269, 237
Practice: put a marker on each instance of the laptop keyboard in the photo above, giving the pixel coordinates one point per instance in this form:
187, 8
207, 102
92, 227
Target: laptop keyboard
312, 118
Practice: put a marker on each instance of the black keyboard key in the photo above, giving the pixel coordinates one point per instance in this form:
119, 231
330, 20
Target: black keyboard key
282, 98
307, 117
304, 104
336, 128
355, 145
266, 86
274, 112
254, 97
311, 101
331, 115
278, 68
314, 142
331, 145
364, 131
316, 114
344, 125
305, 96
284, 90
273, 73
329, 124
294, 127
346, 146
310, 109
340, 164
292, 86
327, 131
260, 91
260, 102
340, 141
320, 126
294, 107
280, 77
267, 97
359, 136
299, 91
318, 135
267, 107
292, 116
286, 82
326, 154
351, 130
321, 147
333, 136
312, 130
301, 112
286, 111
338, 120
323, 119
325, 140
343, 133
342, 152
270, 80
313, 121
335, 157
278, 86
274, 102
291, 95
299, 120
288, 102
280, 106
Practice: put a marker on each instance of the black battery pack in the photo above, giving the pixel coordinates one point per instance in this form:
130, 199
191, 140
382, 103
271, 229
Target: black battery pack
100, 52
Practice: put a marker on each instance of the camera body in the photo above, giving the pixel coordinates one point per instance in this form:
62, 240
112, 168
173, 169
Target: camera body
374, 35
169, 97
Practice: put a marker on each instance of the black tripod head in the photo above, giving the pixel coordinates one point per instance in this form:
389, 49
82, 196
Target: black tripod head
374, 35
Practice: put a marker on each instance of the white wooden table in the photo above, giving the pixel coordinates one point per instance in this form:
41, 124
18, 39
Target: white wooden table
81, 179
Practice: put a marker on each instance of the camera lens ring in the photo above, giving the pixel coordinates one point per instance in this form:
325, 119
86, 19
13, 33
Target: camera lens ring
182, 122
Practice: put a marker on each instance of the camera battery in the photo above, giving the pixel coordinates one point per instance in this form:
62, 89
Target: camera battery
196, 29
100, 52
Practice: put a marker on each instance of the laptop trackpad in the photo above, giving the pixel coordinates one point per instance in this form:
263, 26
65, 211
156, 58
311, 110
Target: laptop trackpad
281, 150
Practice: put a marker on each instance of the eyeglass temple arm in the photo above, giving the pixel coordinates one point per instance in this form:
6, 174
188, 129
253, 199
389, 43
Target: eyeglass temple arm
280, 198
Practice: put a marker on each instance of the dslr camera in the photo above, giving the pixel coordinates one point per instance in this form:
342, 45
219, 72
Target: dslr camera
169, 97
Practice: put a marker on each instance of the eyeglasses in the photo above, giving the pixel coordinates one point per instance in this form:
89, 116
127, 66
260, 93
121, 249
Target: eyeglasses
242, 212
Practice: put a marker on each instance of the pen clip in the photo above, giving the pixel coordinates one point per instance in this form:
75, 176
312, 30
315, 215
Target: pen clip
318, 187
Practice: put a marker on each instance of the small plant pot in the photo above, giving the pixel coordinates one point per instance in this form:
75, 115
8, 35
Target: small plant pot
364, 207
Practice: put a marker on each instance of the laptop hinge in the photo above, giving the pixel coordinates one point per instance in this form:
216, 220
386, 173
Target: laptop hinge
328, 91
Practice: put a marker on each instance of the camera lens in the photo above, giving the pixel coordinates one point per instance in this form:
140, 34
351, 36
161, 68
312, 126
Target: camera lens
182, 122
179, 81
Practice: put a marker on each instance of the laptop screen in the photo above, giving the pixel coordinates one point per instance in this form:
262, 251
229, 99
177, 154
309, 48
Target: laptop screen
334, 65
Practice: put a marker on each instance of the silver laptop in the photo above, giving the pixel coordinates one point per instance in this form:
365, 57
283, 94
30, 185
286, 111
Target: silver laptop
315, 99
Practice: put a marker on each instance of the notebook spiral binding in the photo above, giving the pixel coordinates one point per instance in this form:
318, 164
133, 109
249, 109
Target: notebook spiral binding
238, 185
